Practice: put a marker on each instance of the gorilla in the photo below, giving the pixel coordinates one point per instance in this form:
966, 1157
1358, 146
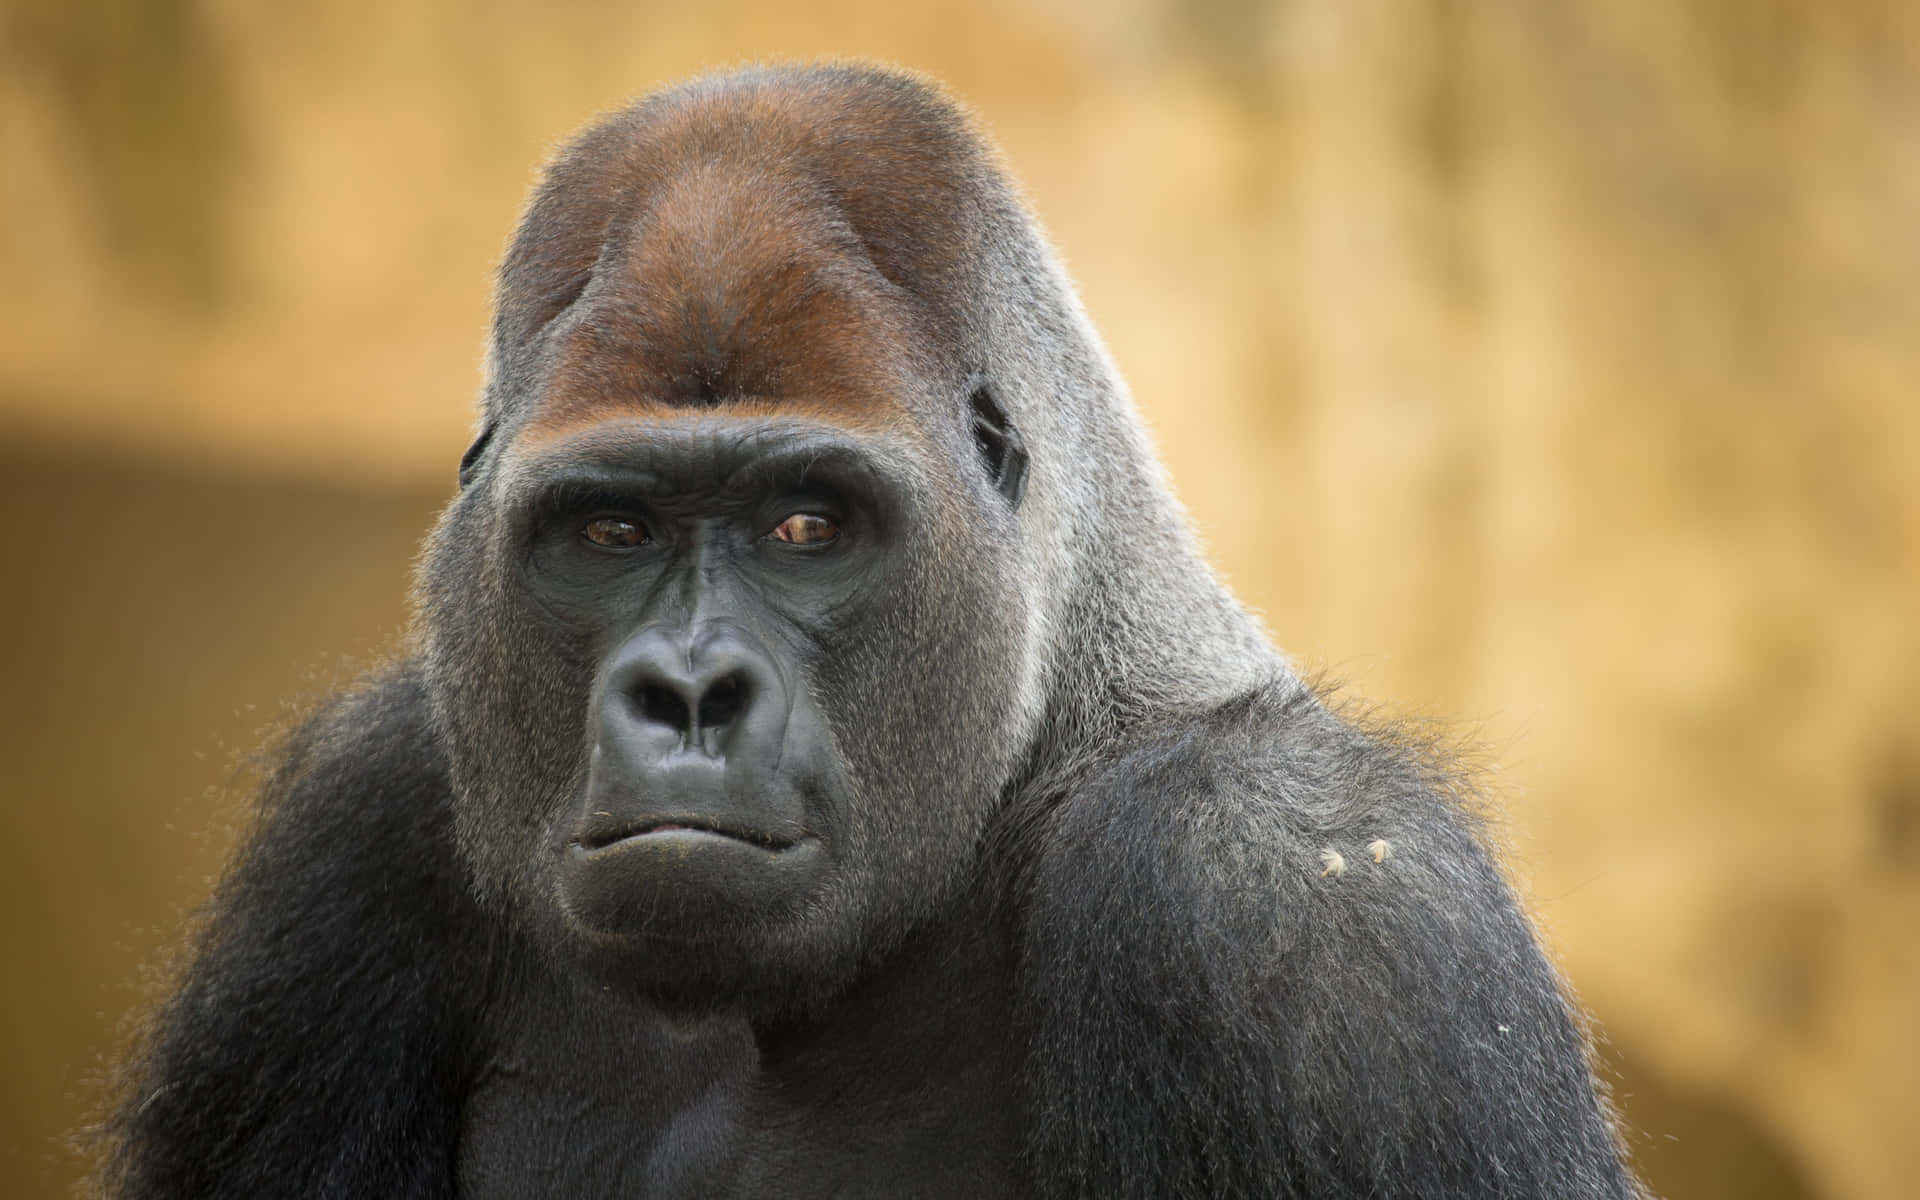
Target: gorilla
822, 765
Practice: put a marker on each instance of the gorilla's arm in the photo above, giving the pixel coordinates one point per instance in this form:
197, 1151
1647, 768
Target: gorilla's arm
1222, 1011
311, 1050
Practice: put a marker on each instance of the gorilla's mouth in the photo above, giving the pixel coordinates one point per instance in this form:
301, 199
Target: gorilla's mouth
594, 838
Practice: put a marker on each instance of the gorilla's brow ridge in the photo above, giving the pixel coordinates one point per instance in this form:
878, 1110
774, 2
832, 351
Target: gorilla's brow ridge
667, 458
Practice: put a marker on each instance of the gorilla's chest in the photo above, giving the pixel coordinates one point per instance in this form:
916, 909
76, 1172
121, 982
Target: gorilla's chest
673, 1114
529, 1131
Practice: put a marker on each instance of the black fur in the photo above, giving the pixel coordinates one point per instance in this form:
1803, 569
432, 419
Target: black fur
1218, 1014
318, 1043
1015, 861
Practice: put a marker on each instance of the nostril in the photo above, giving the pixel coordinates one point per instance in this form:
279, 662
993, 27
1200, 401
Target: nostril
665, 705
662, 706
722, 703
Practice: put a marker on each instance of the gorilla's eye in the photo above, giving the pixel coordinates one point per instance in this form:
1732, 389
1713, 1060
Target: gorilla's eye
806, 529
617, 533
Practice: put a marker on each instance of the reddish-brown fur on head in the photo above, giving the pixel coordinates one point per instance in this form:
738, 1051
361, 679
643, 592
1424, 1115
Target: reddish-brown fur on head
767, 241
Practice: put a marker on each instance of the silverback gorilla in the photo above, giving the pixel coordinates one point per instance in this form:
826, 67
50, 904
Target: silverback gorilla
823, 765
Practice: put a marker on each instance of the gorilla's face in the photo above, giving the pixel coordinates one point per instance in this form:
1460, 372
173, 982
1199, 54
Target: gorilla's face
727, 631
730, 693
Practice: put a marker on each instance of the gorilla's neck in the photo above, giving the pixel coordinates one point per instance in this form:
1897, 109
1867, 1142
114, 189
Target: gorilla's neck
1131, 622
1145, 633
924, 1045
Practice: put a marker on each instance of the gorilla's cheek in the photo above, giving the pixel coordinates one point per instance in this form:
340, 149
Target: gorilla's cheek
925, 705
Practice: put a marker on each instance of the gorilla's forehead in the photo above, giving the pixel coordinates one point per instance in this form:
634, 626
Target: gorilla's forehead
733, 244
733, 285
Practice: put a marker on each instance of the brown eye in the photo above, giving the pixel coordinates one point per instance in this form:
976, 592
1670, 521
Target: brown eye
615, 532
806, 529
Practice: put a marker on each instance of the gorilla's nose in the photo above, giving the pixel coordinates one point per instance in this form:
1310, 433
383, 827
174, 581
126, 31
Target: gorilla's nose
710, 690
691, 734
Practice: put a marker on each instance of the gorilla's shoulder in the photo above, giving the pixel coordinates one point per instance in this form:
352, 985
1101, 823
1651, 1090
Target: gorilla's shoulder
352, 837
1267, 797
1263, 912
365, 747
333, 963
355, 821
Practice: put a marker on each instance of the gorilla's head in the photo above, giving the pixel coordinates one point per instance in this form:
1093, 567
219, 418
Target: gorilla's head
807, 519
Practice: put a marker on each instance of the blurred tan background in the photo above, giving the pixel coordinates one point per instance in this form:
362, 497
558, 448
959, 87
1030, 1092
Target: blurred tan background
1554, 369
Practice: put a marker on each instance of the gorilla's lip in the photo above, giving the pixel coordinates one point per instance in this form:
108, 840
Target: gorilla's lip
590, 840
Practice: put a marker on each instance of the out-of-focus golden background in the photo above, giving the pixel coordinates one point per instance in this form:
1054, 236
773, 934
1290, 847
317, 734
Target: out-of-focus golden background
1552, 368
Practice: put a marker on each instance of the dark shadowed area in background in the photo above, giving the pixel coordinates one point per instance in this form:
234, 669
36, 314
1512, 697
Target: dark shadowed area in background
176, 620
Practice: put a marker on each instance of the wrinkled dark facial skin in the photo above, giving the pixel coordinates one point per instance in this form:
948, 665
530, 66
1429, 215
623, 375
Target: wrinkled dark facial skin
712, 770
730, 766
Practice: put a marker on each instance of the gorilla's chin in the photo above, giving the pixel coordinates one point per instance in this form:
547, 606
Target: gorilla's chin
657, 925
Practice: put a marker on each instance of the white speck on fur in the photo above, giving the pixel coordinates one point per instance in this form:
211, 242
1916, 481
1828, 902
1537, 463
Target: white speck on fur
1381, 849
1334, 862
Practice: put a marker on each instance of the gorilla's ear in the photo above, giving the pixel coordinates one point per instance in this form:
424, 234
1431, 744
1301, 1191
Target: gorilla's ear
470, 461
1001, 449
